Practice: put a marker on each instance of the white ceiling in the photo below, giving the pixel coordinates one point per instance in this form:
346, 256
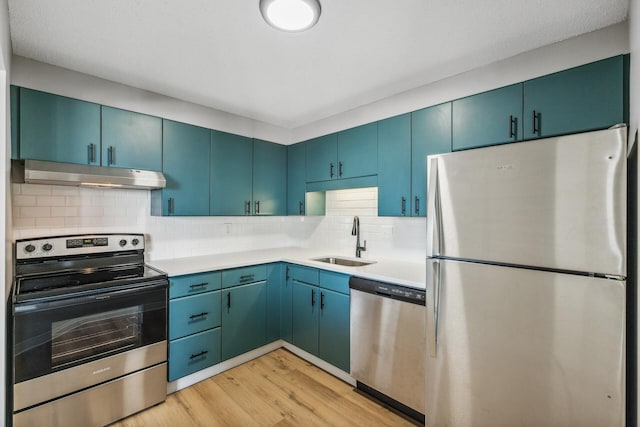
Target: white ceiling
221, 54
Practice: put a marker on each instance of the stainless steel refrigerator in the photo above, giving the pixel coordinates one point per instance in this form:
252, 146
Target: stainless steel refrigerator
526, 283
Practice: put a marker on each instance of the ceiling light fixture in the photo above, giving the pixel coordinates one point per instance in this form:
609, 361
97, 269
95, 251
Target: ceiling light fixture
290, 15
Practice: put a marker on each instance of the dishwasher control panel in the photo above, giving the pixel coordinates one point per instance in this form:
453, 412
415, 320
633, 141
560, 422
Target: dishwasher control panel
388, 290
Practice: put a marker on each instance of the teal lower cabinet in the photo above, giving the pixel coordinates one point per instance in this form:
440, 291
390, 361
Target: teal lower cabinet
320, 317
194, 323
193, 353
275, 279
244, 318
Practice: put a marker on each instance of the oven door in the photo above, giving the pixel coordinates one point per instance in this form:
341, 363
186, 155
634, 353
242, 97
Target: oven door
51, 336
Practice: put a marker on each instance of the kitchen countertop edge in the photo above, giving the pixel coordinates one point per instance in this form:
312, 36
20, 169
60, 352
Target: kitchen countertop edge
406, 273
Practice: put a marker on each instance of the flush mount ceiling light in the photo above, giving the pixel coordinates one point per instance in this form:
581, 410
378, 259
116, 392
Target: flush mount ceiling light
290, 15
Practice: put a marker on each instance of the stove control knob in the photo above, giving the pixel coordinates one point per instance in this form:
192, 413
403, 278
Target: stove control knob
29, 248
135, 242
123, 242
47, 247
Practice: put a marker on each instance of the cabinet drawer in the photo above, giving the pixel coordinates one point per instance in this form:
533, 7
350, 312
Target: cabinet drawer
196, 313
303, 274
334, 281
192, 284
244, 275
193, 353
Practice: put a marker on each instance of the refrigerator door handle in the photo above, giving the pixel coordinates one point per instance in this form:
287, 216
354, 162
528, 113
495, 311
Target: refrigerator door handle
433, 216
432, 295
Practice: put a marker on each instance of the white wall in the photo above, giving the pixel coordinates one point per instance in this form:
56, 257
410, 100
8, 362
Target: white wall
6, 271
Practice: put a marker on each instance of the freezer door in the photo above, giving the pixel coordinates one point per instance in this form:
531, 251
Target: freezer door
557, 203
517, 347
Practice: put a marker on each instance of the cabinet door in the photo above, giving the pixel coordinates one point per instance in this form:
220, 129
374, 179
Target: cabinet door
296, 182
231, 174
394, 166
306, 309
269, 178
358, 151
430, 134
244, 319
275, 282
58, 129
286, 297
576, 100
185, 164
333, 334
488, 118
322, 158
131, 140
15, 132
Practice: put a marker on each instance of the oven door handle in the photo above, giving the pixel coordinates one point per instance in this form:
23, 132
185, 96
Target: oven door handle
39, 305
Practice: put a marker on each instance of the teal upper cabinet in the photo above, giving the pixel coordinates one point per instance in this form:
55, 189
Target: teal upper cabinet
579, 99
430, 134
296, 179
269, 178
231, 174
348, 154
185, 164
58, 129
488, 118
131, 140
358, 151
15, 114
322, 158
394, 166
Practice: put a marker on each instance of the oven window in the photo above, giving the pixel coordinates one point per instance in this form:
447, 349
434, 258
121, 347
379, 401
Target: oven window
87, 336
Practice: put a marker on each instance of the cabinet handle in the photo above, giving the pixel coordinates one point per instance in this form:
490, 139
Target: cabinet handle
92, 153
301, 207
404, 206
257, 207
247, 277
171, 205
339, 168
195, 316
331, 170
228, 301
416, 207
535, 117
202, 353
111, 155
198, 285
321, 300
313, 297
513, 127
287, 274
247, 208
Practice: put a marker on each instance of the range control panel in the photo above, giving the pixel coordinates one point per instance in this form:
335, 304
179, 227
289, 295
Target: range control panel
59, 246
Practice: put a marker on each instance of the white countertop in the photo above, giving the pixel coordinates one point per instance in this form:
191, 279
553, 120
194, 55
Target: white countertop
407, 273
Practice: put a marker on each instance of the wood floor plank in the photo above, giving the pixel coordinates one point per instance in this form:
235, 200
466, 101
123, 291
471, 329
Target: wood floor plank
278, 389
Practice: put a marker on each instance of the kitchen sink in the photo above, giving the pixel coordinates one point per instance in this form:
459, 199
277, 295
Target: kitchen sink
343, 261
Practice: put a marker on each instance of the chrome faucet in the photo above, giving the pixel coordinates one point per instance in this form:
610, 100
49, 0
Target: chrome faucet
355, 231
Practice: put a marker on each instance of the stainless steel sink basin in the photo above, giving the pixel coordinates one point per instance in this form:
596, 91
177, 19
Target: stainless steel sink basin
343, 261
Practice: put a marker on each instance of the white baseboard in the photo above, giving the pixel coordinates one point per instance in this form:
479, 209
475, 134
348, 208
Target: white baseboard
196, 377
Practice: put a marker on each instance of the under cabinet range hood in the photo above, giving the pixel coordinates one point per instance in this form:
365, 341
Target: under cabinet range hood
42, 172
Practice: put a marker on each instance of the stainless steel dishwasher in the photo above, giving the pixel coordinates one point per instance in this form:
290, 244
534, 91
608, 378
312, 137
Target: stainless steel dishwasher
388, 343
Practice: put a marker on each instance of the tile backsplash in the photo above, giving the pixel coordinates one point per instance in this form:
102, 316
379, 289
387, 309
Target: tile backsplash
42, 210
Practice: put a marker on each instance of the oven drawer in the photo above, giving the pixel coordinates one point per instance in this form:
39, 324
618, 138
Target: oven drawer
244, 275
196, 313
193, 353
192, 284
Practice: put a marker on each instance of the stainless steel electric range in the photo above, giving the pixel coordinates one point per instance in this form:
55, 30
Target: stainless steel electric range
89, 330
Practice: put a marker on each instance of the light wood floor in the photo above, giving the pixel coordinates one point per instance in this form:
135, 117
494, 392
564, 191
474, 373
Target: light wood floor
277, 389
